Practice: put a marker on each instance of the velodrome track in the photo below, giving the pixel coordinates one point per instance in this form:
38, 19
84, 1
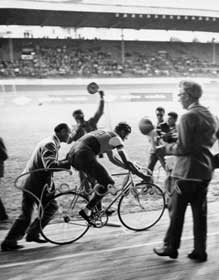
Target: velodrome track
111, 252
114, 253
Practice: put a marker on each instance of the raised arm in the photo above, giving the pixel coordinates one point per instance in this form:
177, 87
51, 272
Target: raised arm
100, 109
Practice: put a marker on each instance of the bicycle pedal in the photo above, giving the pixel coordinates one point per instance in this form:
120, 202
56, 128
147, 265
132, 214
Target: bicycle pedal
112, 189
110, 212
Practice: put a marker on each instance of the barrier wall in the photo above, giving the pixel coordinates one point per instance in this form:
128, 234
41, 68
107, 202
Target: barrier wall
103, 81
41, 91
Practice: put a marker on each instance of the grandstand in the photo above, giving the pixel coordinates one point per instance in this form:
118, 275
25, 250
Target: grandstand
43, 80
43, 58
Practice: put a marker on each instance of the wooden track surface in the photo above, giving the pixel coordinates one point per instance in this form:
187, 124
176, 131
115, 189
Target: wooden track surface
115, 253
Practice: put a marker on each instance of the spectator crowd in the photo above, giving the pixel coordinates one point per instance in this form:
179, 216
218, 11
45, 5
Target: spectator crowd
62, 58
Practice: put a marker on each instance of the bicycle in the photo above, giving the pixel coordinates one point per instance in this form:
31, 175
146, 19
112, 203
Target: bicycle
141, 205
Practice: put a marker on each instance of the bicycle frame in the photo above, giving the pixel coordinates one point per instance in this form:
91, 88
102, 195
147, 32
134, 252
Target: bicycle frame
130, 196
127, 182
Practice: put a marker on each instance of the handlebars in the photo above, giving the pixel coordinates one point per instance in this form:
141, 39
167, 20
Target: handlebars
139, 172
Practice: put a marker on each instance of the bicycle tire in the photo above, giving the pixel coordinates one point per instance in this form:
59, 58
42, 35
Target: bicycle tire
142, 207
66, 226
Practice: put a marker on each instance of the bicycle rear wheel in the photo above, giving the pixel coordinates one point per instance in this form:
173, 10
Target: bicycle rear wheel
67, 225
142, 207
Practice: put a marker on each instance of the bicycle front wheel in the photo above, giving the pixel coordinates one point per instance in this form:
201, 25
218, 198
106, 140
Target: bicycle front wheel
67, 225
142, 207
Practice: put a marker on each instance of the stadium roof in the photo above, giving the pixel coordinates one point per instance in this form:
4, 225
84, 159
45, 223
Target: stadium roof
106, 14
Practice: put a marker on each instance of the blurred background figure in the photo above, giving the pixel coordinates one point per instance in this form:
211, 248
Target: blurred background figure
84, 126
160, 113
169, 129
153, 158
3, 157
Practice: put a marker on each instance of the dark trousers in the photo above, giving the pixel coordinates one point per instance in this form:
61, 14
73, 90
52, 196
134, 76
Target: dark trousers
87, 182
153, 160
194, 193
84, 159
23, 223
3, 214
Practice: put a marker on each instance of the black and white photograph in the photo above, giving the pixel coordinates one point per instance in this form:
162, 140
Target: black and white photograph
109, 139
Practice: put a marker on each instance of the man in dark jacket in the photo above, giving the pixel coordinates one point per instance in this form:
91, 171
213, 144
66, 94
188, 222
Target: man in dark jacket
3, 157
192, 172
45, 156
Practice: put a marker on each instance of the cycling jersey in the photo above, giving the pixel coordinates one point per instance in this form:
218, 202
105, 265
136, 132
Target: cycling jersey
101, 141
83, 153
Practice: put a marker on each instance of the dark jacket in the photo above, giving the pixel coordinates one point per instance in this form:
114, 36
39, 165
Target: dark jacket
196, 136
3, 157
89, 125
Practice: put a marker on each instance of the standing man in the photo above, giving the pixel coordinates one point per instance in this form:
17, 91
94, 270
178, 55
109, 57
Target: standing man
192, 173
160, 112
169, 129
45, 156
3, 157
170, 135
154, 157
83, 126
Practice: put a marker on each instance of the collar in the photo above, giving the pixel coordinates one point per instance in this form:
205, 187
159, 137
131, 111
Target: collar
57, 141
193, 105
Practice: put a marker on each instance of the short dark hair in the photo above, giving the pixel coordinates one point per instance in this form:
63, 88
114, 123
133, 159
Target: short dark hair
193, 89
123, 126
174, 115
61, 126
160, 109
76, 112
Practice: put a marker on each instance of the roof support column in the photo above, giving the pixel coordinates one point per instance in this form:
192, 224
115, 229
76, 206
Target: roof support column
11, 50
213, 51
122, 47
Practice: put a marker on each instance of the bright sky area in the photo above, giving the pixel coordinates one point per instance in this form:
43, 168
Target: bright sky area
196, 4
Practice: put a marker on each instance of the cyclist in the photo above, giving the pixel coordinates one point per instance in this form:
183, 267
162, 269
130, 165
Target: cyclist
83, 156
84, 126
